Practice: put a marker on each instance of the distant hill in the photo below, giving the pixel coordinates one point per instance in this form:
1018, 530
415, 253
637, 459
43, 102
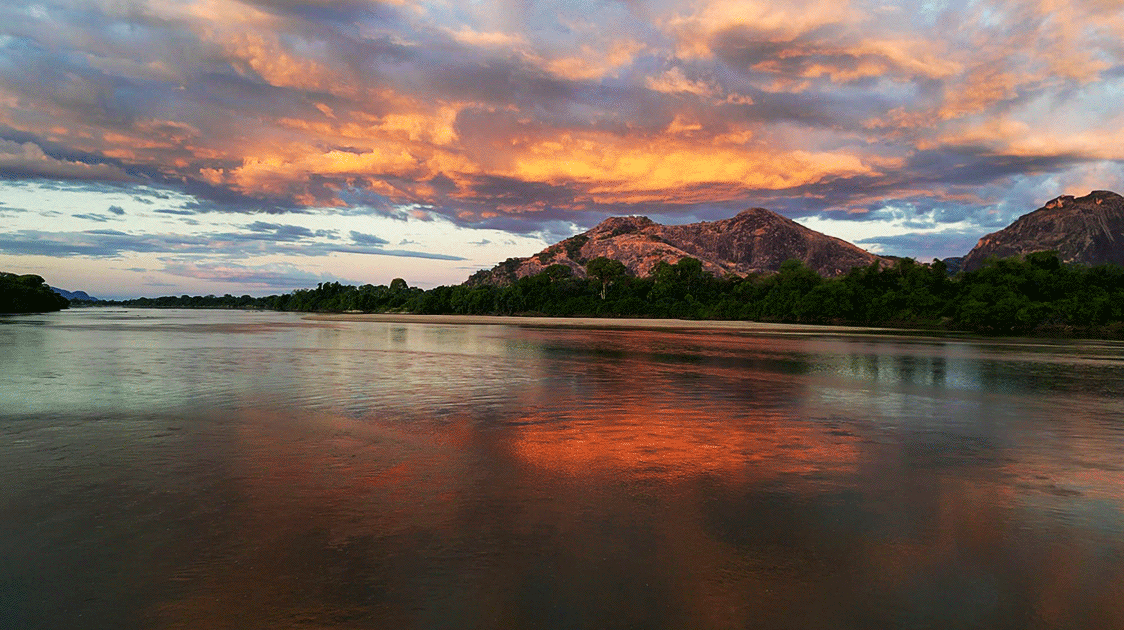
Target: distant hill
1086, 230
954, 264
754, 241
75, 295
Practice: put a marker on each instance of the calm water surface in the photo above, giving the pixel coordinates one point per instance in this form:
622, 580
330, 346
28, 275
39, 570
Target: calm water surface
211, 469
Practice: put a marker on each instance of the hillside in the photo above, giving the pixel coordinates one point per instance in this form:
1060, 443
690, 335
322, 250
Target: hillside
1086, 230
754, 241
81, 296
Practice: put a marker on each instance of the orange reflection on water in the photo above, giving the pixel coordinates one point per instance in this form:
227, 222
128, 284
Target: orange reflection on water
641, 441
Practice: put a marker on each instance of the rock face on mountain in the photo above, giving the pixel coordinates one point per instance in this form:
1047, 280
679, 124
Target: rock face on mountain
754, 241
1087, 230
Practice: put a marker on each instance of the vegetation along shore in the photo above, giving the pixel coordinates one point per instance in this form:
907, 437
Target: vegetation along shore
1033, 294
28, 293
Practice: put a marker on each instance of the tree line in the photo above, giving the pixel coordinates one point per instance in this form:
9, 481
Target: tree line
1032, 294
28, 293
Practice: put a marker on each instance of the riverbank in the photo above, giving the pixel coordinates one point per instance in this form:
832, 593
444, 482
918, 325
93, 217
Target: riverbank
1054, 335
609, 323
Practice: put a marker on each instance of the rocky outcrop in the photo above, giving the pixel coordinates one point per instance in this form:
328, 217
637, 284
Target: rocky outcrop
754, 241
1086, 230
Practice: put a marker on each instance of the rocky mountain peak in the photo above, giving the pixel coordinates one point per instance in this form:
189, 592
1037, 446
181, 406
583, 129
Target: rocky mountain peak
1095, 198
1085, 230
757, 213
754, 241
623, 225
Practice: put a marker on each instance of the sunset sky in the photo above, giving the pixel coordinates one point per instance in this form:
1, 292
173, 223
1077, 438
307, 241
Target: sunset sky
257, 146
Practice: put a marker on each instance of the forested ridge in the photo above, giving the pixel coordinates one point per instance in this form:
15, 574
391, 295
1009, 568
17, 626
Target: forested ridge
1033, 294
28, 293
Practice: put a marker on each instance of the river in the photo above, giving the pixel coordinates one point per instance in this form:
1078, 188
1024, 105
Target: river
225, 469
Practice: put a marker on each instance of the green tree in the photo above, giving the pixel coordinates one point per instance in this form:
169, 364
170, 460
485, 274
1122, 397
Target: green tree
607, 271
28, 294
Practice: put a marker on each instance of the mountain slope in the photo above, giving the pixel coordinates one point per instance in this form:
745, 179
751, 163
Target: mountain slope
1087, 230
754, 241
75, 295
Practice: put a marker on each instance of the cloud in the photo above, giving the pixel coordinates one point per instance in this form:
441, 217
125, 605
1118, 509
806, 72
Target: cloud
367, 239
93, 243
400, 253
28, 160
675, 82
283, 276
546, 116
261, 239
100, 218
275, 232
923, 246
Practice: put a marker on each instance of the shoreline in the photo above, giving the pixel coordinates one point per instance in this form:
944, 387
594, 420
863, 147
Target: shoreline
626, 323
733, 327
1047, 337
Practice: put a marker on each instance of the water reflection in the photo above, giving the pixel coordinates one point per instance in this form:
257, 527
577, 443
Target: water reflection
291, 474
667, 444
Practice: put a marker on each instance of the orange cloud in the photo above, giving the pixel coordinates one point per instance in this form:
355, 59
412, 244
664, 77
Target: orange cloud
677, 103
592, 62
264, 55
674, 82
613, 169
694, 29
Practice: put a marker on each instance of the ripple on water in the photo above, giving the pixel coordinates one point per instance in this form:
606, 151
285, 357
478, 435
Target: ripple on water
222, 469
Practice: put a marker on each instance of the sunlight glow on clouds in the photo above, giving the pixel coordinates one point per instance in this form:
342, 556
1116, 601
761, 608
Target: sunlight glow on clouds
536, 119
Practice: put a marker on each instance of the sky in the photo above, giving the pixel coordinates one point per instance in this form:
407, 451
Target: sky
258, 146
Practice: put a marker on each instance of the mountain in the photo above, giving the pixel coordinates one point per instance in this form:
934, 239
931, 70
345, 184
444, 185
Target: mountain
1087, 230
754, 241
75, 295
